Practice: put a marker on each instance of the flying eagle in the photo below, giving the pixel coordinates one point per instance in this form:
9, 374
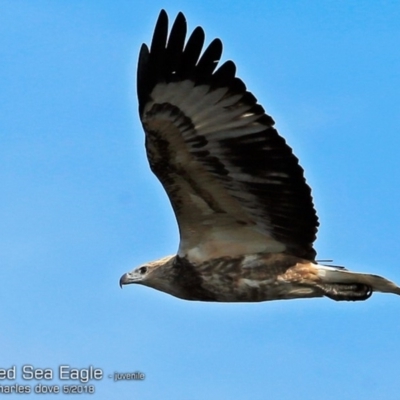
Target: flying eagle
245, 213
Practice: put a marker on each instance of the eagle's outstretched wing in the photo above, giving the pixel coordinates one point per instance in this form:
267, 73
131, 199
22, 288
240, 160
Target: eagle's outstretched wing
235, 186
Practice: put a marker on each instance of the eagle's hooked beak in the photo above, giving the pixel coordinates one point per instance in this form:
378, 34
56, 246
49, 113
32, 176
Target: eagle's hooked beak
123, 280
129, 277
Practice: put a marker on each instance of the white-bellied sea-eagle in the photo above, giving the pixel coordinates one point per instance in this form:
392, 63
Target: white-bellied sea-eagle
245, 213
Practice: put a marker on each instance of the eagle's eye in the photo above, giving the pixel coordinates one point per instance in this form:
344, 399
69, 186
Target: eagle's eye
142, 270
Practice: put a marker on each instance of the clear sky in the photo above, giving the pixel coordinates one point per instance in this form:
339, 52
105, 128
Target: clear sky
79, 205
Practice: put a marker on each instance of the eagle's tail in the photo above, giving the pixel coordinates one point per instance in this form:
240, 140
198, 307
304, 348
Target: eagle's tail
334, 279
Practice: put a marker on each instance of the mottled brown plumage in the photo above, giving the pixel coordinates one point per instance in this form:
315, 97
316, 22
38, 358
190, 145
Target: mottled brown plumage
245, 213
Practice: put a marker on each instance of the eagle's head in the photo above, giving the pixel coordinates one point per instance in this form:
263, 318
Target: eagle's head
156, 274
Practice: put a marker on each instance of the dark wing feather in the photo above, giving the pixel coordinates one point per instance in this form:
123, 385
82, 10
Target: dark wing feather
191, 53
234, 184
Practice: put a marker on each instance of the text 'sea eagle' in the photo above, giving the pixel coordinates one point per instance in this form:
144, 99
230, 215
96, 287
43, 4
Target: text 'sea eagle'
246, 218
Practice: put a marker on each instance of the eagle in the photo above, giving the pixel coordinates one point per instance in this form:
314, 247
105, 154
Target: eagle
245, 213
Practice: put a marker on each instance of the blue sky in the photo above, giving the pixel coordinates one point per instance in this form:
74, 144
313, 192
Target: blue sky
79, 205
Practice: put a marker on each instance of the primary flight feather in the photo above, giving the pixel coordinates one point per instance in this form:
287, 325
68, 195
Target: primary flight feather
245, 213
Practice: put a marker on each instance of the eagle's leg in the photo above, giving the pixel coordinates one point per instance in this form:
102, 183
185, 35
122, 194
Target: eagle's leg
349, 292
